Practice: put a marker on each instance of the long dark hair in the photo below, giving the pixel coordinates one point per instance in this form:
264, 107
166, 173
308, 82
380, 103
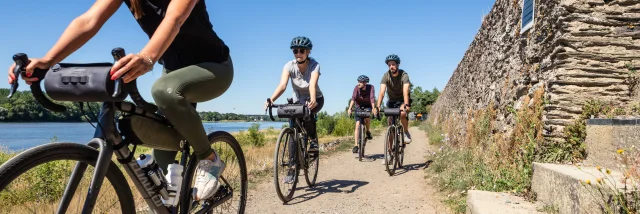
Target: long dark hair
136, 7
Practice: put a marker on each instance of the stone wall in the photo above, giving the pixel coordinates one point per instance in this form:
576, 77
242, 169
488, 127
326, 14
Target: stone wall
577, 49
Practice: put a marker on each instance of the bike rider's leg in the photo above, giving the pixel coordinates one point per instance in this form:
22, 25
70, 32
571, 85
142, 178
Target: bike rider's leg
311, 127
356, 133
405, 123
174, 92
367, 122
164, 158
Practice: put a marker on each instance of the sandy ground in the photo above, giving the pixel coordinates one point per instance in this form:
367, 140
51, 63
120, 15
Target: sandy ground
346, 185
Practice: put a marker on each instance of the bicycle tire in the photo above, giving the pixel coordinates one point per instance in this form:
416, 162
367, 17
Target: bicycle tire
35, 156
401, 146
217, 136
311, 181
276, 166
388, 155
361, 140
396, 149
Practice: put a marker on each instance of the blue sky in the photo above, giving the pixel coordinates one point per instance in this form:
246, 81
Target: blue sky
350, 37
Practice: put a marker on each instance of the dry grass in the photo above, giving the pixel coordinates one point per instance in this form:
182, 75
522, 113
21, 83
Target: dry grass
259, 160
474, 155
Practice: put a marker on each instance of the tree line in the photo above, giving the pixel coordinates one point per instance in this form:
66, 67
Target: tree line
22, 107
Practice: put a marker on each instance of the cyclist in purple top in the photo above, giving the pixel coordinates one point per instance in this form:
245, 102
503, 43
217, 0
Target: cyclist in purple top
364, 97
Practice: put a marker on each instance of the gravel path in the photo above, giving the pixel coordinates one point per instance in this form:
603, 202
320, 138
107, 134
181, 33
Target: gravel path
345, 185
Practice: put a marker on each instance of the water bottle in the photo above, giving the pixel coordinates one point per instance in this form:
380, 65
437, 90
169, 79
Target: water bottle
154, 173
174, 182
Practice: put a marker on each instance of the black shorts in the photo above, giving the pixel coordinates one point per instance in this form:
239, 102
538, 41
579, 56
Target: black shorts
397, 103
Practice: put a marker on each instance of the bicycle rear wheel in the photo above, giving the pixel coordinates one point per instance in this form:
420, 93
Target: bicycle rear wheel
50, 162
389, 155
282, 164
231, 197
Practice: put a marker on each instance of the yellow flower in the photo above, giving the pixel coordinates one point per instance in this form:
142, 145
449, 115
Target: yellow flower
588, 182
608, 172
599, 180
620, 151
599, 168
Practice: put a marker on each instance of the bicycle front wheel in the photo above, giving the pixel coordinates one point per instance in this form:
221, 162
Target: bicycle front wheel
283, 165
231, 196
361, 140
34, 181
389, 155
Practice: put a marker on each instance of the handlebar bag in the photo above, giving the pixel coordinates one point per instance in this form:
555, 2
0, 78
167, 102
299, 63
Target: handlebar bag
292, 111
362, 113
389, 112
82, 82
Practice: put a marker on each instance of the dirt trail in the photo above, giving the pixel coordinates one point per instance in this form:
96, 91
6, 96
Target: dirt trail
345, 185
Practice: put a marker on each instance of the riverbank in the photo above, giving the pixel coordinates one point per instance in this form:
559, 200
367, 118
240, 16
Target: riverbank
20, 136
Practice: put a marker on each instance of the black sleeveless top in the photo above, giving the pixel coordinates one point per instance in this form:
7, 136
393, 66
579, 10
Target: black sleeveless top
195, 43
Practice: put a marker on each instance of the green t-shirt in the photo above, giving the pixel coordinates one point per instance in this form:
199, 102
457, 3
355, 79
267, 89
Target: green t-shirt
395, 84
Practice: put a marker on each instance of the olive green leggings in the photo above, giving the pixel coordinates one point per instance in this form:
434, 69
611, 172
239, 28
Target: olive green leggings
175, 91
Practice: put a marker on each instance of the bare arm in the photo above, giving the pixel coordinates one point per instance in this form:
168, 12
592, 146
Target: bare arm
353, 97
313, 82
177, 13
282, 86
81, 29
351, 105
372, 95
383, 88
405, 92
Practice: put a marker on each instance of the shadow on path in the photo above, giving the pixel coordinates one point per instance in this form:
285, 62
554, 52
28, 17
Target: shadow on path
413, 167
330, 186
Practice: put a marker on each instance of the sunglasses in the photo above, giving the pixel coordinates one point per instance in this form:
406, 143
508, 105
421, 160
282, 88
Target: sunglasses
296, 51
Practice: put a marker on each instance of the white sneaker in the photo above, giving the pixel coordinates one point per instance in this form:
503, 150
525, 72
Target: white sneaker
207, 175
407, 138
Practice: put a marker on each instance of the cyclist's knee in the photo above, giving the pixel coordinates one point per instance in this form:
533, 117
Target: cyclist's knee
164, 94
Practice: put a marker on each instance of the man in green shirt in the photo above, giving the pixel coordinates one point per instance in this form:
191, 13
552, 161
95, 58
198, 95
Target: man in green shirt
396, 83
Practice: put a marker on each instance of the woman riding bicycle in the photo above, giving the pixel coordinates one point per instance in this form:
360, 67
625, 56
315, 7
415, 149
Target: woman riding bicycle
197, 68
364, 97
304, 73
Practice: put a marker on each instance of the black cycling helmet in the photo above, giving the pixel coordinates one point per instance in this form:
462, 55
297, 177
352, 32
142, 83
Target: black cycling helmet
301, 42
392, 57
363, 78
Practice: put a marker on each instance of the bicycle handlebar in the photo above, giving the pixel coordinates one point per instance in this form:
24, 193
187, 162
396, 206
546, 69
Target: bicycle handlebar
22, 61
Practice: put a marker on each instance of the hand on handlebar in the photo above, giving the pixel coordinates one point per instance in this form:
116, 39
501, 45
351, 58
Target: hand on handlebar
33, 64
312, 103
267, 104
405, 108
133, 65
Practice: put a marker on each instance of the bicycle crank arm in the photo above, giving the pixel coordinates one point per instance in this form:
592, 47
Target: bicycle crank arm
224, 194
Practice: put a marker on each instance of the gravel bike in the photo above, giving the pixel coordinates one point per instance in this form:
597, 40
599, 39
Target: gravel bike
113, 135
291, 154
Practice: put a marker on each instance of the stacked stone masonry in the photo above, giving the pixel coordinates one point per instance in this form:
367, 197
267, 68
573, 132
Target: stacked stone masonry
577, 50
